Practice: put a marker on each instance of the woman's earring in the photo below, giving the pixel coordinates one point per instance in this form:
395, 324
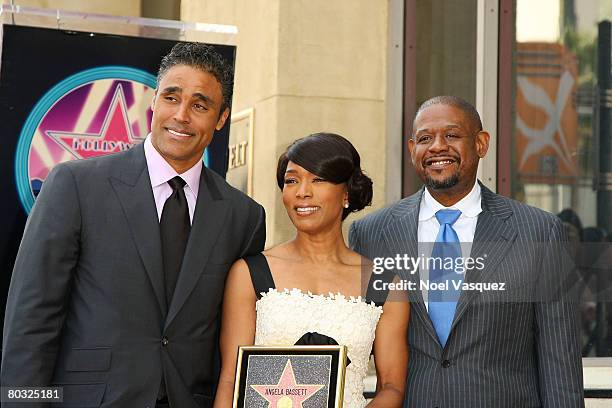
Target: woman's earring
346, 205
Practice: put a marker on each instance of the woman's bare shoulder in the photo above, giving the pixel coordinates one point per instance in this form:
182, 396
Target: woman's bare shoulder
280, 252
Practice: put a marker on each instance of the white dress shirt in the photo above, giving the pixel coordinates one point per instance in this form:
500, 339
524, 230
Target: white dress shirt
465, 226
160, 172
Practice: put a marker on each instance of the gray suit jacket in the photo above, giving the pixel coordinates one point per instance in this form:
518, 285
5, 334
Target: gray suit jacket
517, 348
86, 308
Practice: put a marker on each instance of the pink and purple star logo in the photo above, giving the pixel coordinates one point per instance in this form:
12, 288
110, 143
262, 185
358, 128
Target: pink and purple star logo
116, 134
94, 112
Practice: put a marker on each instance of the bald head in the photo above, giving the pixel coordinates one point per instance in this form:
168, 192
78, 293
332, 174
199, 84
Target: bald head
471, 114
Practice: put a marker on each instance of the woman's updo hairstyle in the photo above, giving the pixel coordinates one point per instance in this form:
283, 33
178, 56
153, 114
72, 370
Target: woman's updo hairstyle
334, 159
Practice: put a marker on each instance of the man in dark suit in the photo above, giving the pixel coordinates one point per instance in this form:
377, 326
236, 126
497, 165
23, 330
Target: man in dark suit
513, 344
116, 291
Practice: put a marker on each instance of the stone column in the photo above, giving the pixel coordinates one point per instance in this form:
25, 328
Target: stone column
305, 67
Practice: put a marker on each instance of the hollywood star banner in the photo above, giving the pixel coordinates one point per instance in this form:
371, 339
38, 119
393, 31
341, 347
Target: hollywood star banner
67, 95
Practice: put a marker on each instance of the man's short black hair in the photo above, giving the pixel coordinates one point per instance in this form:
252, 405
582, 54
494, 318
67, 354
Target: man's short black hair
205, 58
456, 102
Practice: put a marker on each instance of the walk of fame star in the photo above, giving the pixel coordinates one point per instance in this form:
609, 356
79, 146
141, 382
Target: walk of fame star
115, 134
286, 393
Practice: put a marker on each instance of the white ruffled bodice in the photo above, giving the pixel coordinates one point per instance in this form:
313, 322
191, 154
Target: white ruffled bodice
283, 317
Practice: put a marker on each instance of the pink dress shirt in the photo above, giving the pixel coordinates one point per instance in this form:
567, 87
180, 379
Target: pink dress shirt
159, 174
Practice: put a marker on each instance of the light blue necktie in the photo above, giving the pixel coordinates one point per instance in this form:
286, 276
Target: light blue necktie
446, 250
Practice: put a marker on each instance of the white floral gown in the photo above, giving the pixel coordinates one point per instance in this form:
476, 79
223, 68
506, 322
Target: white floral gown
283, 317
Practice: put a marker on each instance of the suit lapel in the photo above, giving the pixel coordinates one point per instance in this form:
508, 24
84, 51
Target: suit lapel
493, 238
208, 220
401, 236
133, 188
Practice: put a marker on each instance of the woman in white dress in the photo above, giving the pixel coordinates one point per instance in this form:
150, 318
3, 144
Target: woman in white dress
313, 283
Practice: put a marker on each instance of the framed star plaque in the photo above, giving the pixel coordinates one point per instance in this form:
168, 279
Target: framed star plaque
290, 377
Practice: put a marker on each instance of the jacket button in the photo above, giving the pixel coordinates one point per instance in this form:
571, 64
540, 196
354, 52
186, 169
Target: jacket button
164, 341
446, 363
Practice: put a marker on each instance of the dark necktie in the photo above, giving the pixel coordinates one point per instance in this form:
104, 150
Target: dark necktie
174, 227
446, 251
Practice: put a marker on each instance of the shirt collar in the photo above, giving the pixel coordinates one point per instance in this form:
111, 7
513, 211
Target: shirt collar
160, 170
470, 205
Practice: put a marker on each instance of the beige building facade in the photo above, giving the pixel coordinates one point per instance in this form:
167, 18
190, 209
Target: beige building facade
306, 67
